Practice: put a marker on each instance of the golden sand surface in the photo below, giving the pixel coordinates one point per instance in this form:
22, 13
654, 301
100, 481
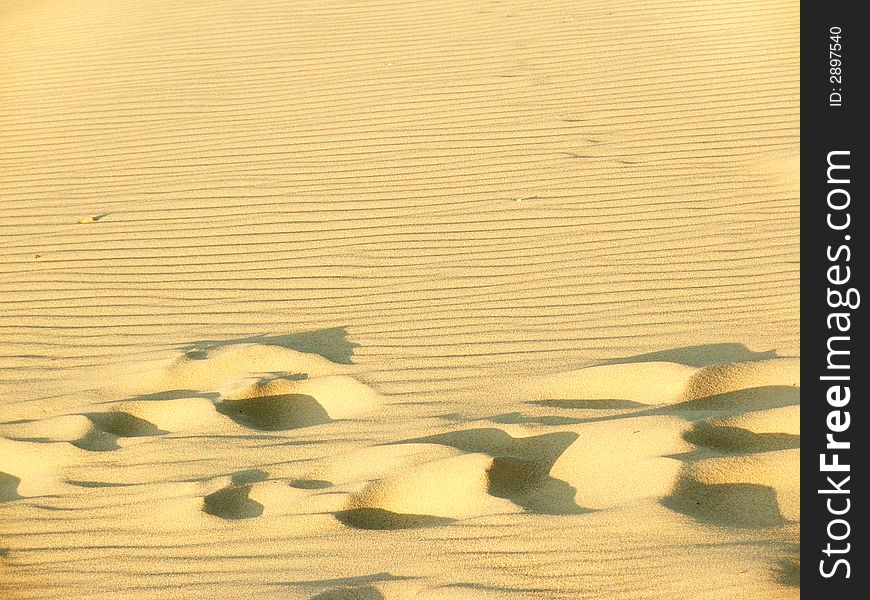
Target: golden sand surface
399, 299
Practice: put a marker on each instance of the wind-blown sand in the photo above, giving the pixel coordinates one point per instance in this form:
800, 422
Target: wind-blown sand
399, 300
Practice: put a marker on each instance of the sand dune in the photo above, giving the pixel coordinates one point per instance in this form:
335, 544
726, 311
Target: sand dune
664, 382
434, 493
758, 490
399, 300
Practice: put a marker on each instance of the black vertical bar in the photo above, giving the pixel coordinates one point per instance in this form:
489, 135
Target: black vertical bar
834, 228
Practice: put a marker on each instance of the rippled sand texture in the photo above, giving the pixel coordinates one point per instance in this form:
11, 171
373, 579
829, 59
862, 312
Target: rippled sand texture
431, 300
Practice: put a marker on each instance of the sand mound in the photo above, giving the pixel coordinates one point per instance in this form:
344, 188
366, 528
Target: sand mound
450, 488
63, 428
273, 403
529, 484
717, 380
752, 431
178, 414
643, 470
729, 504
521, 467
377, 462
745, 400
109, 426
202, 369
339, 396
645, 383
34, 468
122, 424
268, 388
659, 383
99, 431
276, 413
279, 404
758, 490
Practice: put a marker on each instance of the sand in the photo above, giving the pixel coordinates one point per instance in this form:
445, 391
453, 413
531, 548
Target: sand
392, 300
